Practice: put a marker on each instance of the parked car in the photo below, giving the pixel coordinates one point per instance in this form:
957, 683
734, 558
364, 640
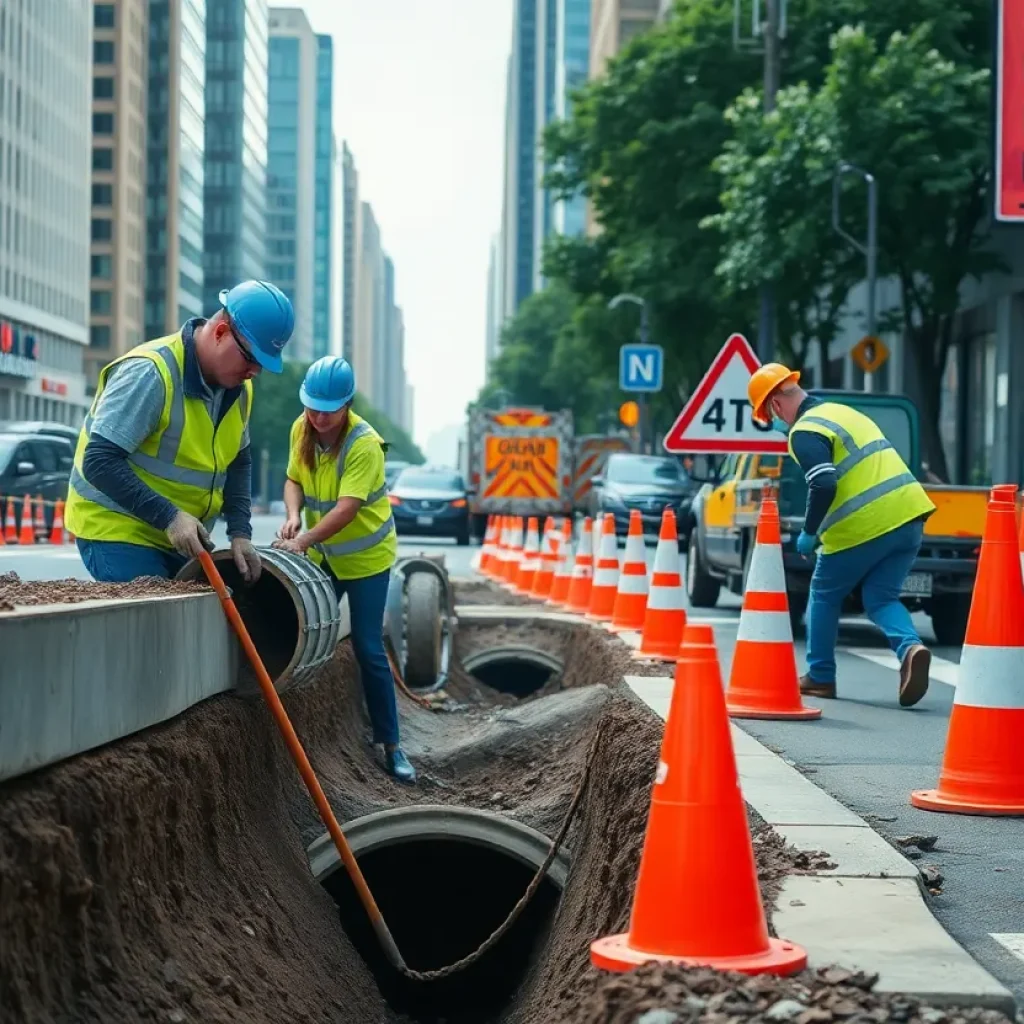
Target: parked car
650, 483
392, 467
36, 465
431, 501
40, 427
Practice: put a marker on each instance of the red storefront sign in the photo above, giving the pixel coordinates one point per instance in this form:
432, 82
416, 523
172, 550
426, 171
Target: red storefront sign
53, 387
1010, 111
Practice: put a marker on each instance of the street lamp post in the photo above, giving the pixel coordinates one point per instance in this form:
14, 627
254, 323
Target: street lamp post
644, 339
870, 249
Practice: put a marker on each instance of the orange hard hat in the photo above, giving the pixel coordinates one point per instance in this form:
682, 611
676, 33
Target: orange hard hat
764, 381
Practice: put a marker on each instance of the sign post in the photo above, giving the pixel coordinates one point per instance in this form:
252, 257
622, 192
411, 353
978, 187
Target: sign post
642, 372
718, 418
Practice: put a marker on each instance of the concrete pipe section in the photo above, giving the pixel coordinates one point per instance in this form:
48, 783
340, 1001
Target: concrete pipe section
292, 613
515, 669
445, 878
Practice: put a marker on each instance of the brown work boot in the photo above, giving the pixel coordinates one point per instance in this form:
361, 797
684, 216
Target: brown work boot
914, 675
810, 688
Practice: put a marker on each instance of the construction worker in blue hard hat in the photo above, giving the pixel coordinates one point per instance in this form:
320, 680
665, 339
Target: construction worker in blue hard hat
165, 448
336, 477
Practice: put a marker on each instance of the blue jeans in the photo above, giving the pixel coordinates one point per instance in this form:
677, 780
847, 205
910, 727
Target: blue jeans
880, 566
366, 600
109, 561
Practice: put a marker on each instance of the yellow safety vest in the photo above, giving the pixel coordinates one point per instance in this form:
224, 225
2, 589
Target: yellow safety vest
369, 544
875, 491
184, 460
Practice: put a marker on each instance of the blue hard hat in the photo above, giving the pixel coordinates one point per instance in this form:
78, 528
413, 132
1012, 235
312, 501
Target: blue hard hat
263, 315
329, 384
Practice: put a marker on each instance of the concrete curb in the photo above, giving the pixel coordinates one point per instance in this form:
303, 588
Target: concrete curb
869, 912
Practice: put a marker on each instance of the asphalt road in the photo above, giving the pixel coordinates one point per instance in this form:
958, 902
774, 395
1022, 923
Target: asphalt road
865, 751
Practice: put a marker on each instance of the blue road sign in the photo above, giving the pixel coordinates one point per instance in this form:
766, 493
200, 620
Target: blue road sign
641, 368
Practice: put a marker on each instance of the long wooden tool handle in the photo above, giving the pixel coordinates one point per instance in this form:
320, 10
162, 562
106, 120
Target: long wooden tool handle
294, 746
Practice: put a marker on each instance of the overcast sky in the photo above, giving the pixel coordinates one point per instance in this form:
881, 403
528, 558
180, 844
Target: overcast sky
420, 97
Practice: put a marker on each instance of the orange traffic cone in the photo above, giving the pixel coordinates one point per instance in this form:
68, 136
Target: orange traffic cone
514, 554
983, 766
500, 564
563, 573
548, 562
531, 559
57, 531
763, 682
665, 616
40, 525
28, 530
606, 574
10, 524
582, 572
487, 548
631, 599
697, 899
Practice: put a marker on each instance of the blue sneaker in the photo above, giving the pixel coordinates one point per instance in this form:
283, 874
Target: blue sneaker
399, 766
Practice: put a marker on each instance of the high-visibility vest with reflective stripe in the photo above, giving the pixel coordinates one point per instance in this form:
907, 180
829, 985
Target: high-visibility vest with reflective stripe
348, 551
185, 460
875, 491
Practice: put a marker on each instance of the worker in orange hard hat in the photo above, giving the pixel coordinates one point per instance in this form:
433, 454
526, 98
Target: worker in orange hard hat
865, 509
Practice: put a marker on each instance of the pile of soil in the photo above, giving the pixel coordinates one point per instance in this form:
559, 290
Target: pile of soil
164, 878
483, 592
674, 995
16, 592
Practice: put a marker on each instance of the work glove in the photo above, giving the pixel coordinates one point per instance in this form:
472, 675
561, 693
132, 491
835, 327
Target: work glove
188, 536
806, 543
247, 559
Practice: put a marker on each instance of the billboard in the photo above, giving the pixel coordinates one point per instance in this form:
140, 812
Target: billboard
1009, 127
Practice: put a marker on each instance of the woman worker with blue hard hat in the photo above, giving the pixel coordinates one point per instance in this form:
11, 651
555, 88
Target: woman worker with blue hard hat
165, 448
336, 475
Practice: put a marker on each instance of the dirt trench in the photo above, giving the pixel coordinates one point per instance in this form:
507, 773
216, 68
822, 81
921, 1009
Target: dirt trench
165, 878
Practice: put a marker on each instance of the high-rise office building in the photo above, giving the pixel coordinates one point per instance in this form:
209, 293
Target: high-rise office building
545, 99
118, 194
394, 404
175, 176
519, 197
350, 251
326, 159
235, 190
613, 23
495, 307
291, 169
369, 307
573, 68
45, 99
383, 354
409, 408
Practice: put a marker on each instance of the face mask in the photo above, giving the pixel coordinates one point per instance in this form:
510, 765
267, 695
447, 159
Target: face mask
780, 425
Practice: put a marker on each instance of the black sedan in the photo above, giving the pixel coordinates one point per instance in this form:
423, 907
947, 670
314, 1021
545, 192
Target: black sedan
431, 501
649, 483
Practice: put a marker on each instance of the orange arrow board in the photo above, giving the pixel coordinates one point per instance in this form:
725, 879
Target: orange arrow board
718, 418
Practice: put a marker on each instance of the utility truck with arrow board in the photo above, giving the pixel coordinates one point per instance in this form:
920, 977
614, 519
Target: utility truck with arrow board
518, 462
738, 461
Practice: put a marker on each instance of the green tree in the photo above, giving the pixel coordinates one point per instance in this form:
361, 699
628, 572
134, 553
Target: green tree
640, 145
776, 217
920, 123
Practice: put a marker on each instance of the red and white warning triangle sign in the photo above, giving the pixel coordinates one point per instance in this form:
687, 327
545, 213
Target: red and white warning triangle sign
718, 418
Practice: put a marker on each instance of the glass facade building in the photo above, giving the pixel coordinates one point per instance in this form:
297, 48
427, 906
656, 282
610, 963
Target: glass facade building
323, 243
282, 162
573, 70
235, 222
175, 164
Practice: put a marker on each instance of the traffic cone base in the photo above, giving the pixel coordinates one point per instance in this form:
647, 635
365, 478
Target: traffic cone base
615, 954
697, 899
763, 682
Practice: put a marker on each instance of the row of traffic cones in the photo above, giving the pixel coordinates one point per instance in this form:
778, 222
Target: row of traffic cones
763, 682
33, 530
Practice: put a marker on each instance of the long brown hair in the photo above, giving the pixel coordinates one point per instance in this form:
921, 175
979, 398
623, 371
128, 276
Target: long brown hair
307, 442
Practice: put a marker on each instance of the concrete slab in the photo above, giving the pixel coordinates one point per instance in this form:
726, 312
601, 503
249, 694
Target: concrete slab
857, 851
512, 612
783, 796
884, 927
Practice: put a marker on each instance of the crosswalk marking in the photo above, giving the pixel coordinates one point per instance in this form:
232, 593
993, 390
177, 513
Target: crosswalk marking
1014, 943
942, 670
